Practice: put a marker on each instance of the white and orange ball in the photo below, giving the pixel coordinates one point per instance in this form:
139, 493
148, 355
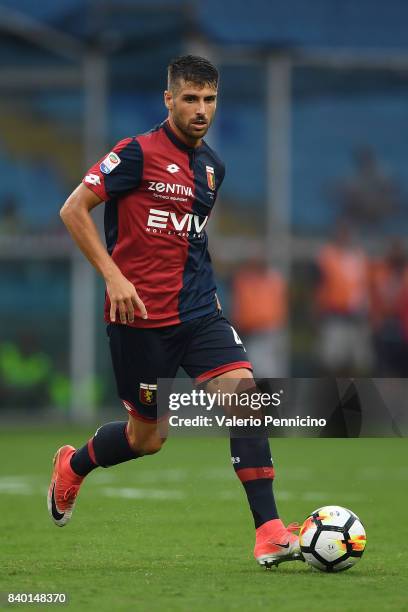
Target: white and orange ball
332, 539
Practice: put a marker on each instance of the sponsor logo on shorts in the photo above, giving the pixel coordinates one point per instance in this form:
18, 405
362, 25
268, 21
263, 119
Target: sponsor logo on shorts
110, 162
148, 394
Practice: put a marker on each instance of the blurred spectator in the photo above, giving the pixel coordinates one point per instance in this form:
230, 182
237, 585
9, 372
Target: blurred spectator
259, 309
342, 298
389, 312
11, 222
369, 195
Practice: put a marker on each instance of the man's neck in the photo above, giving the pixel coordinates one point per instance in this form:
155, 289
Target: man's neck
190, 142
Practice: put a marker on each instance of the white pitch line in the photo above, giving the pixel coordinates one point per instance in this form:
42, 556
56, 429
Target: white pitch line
14, 479
16, 488
102, 477
16, 485
285, 495
21, 486
128, 493
381, 473
322, 496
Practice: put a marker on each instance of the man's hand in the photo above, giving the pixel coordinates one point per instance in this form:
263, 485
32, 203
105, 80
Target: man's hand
123, 297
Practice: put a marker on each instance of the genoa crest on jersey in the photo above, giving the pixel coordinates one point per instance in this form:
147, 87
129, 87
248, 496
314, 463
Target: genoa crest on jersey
210, 177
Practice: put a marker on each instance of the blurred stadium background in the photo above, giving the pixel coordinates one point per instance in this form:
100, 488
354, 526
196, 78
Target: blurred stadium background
309, 234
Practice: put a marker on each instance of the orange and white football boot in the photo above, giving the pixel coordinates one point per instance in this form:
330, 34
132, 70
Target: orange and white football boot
63, 488
276, 543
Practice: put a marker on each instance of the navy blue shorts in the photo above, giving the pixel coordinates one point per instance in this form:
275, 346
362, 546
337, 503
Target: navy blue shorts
204, 348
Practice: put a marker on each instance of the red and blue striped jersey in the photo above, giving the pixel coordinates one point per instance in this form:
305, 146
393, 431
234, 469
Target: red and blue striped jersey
158, 195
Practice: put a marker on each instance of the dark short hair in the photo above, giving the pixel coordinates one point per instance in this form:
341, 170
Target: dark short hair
193, 69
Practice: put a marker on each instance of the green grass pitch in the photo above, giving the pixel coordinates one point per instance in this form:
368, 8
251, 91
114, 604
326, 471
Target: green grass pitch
173, 531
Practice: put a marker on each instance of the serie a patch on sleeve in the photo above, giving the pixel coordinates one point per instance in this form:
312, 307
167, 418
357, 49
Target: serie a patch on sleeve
110, 162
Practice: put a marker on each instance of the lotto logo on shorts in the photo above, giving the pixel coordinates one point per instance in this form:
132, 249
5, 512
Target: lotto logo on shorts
147, 394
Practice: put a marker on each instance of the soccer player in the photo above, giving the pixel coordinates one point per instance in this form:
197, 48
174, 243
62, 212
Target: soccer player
161, 305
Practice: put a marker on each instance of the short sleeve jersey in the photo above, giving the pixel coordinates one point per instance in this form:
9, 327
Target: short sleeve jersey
158, 195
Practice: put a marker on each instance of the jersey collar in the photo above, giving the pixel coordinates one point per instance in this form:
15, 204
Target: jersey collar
176, 140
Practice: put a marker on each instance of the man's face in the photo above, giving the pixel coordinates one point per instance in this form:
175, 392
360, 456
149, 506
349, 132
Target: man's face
191, 108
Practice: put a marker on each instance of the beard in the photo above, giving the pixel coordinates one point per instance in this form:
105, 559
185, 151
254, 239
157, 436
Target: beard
190, 131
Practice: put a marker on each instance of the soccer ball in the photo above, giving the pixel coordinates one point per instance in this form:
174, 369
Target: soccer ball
332, 539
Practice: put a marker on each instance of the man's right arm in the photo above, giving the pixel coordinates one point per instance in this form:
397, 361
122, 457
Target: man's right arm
76, 216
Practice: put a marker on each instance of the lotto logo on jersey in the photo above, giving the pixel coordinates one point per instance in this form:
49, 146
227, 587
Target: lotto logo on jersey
92, 179
210, 177
110, 162
147, 394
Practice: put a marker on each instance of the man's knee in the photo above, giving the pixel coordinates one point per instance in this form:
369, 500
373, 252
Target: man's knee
231, 381
234, 382
151, 446
145, 446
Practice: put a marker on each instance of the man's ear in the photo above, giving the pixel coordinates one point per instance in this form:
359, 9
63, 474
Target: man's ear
168, 99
